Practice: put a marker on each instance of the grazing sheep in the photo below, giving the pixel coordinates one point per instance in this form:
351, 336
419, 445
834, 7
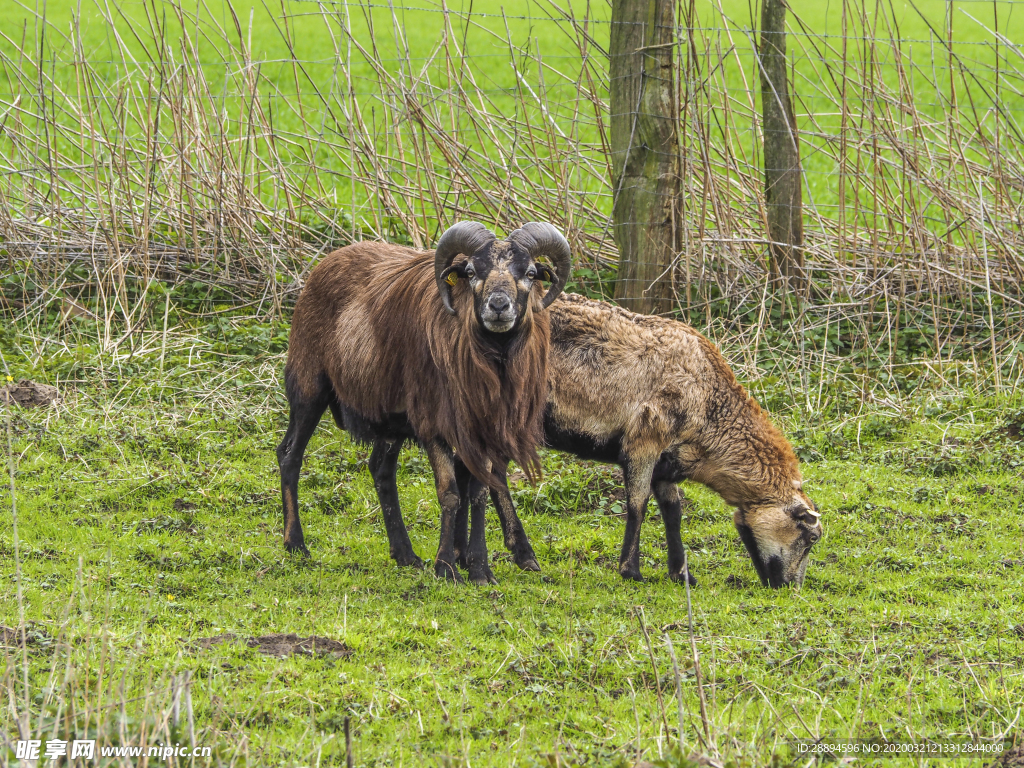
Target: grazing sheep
401, 344
657, 398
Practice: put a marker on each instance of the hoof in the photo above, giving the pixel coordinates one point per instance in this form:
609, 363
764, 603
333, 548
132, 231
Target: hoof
462, 561
300, 547
530, 564
408, 560
525, 559
631, 575
448, 572
481, 574
681, 577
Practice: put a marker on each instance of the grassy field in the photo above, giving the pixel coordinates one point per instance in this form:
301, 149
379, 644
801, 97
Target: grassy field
404, 44
148, 571
148, 522
419, 26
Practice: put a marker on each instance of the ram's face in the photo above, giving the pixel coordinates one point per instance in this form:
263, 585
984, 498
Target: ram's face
779, 536
501, 277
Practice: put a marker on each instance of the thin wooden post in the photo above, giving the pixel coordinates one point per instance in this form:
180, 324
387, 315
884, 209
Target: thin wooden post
645, 152
782, 176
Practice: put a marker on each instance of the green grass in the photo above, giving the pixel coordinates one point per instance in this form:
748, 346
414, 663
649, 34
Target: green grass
148, 517
419, 26
405, 41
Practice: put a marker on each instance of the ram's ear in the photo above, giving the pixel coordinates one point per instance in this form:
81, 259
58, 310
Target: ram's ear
454, 273
544, 272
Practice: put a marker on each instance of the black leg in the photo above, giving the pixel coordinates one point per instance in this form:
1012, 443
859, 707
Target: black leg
479, 570
442, 461
667, 495
304, 414
384, 468
516, 540
638, 491
462, 479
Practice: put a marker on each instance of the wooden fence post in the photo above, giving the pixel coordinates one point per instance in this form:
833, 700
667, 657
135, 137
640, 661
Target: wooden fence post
782, 176
645, 156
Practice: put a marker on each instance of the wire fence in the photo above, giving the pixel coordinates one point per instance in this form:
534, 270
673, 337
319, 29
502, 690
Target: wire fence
149, 142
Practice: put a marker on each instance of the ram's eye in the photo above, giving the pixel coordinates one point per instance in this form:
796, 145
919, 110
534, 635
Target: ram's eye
470, 272
810, 518
531, 273
805, 515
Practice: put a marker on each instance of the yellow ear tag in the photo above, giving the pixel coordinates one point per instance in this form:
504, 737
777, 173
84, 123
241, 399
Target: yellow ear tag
452, 278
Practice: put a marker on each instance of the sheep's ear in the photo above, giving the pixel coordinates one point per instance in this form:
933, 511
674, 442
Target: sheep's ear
544, 272
453, 274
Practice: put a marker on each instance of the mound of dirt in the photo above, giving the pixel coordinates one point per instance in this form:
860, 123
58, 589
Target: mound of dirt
28, 394
9, 637
34, 637
693, 761
280, 645
293, 645
1012, 758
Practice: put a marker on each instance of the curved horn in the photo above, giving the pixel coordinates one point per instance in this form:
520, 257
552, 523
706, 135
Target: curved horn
466, 237
541, 239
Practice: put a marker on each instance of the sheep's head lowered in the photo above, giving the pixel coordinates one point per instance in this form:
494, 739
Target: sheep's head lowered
501, 274
779, 535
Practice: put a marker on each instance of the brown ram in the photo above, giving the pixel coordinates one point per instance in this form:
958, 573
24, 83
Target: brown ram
400, 344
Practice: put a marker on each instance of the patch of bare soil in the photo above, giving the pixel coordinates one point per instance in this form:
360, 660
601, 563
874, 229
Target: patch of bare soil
1011, 426
289, 645
693, 761
10, 637
28, 394
1011, 758
206, 643
280, 645
34, 637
